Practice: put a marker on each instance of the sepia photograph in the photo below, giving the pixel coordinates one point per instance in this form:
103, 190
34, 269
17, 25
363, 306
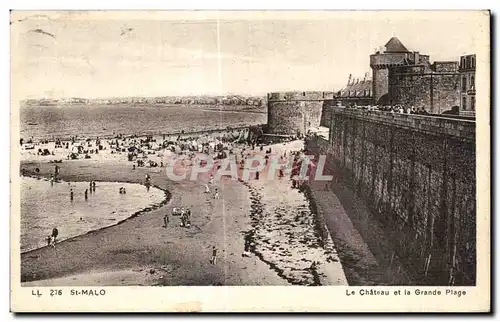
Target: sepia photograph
250, 148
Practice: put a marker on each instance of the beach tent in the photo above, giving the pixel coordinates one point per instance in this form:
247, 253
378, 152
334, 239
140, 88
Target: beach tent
77, 149
29, 146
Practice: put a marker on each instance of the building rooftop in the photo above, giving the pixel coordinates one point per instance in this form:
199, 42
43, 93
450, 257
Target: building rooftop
359, 88
394, 45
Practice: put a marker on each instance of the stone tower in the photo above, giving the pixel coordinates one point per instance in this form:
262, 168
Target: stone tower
393, 54
293, 113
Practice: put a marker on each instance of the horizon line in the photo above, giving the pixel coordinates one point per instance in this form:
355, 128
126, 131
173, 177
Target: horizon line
179, 95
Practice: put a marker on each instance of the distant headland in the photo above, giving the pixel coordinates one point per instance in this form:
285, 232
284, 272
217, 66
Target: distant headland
227, 100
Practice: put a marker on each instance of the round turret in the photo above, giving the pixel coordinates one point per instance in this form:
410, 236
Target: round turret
294, 113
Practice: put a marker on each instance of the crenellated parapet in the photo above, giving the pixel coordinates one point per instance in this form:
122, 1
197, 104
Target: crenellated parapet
394, 56
383, 61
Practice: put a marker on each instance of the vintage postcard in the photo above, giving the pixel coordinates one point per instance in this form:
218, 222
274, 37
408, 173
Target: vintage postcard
250, 161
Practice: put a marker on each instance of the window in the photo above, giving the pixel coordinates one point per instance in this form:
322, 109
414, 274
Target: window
464, 103
473, 61
464, 84
473, 103
472, 82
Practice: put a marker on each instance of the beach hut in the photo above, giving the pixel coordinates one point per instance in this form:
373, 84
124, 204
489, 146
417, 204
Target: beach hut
28, 146
177, 149
153, 145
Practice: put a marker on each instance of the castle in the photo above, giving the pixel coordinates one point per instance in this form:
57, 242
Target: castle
399, 77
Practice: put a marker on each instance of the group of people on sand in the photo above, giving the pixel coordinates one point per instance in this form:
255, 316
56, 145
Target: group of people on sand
183, 213
207, 187
52, 238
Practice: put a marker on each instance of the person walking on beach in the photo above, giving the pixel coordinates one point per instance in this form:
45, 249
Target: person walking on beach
216, 195
166, 220
93, 185
86, 194
213, 259
53, 237
71, 194
188, 218
183, 218
211, 181
207, 188
90, 186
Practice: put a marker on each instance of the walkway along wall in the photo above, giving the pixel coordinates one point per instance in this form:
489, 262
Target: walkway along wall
417, 174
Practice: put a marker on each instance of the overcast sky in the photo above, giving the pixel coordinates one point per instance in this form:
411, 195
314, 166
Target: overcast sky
84, 55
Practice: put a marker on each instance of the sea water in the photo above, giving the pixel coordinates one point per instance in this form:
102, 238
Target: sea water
106, 120
45, 206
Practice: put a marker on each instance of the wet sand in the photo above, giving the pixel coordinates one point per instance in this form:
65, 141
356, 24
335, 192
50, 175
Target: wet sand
174, 255
286, 248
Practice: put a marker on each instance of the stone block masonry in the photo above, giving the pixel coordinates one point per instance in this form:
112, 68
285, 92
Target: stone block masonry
294, 113
434, 92
417, 174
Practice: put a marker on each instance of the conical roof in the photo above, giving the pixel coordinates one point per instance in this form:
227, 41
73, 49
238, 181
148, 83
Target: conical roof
395, 46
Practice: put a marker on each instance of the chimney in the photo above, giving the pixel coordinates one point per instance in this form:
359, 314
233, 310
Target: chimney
357, 80
366, 77
349, 80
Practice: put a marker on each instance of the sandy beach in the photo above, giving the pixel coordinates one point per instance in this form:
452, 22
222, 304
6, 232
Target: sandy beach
139, 251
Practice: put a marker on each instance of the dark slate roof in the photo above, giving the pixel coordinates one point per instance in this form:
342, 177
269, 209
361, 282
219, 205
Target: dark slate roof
361, 89
395, 46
